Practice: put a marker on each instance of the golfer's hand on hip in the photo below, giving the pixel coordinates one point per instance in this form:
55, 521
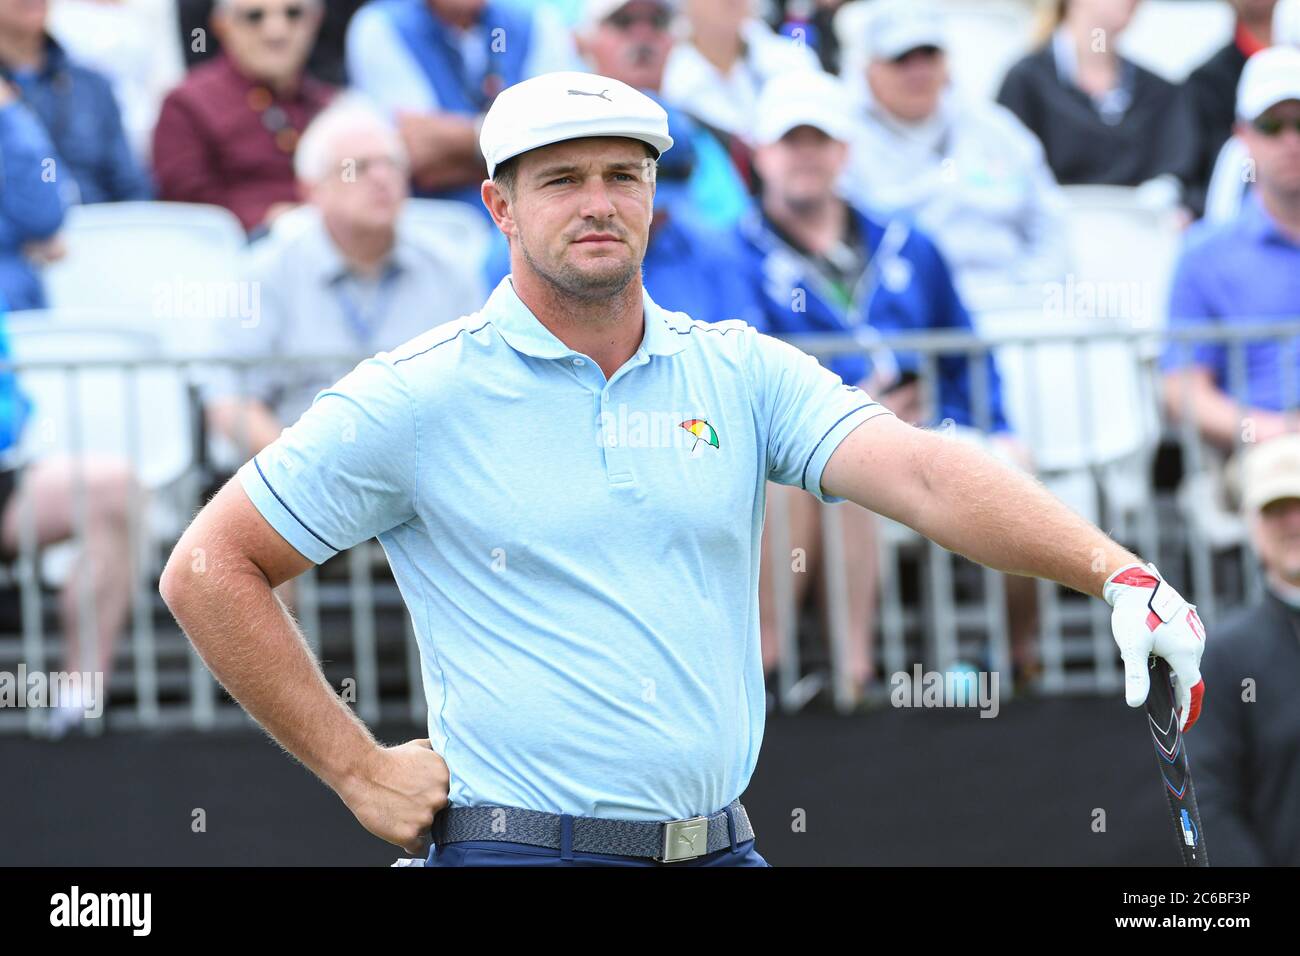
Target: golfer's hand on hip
1150, 617
399, 792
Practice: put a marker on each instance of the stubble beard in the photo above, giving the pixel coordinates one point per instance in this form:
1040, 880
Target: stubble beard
573, 283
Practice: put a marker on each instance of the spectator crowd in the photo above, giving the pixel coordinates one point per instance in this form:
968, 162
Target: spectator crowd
822, 181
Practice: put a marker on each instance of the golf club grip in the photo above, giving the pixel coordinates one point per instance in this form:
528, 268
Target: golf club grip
1171, 755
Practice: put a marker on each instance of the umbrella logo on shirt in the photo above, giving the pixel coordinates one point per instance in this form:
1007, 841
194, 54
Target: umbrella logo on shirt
703, 432
601, 95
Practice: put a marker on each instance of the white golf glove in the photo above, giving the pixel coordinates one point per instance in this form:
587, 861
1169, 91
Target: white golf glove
1150, 617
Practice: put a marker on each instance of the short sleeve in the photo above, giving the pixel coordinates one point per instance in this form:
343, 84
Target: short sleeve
345, 471
1190, 308
804, 410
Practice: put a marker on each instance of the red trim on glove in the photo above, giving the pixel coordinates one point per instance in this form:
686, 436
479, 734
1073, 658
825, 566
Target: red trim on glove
1197, 693
1136, 578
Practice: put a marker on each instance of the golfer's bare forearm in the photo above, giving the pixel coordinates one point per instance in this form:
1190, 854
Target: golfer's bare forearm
248, 639
1001, 517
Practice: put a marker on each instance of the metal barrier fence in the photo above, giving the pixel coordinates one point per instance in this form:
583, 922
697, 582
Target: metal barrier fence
935, 609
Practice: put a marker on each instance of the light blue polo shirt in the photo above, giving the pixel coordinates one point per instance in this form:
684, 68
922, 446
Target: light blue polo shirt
581, 569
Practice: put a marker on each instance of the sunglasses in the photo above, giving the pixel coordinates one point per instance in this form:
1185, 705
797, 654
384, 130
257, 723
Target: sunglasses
626, 19
1272, 126
256, 16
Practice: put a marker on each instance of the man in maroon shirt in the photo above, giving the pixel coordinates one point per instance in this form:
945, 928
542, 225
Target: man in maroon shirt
227, 134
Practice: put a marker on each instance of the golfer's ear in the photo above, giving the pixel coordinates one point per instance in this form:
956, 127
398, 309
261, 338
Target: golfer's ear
498, 207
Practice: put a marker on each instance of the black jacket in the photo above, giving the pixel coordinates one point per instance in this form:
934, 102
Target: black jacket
1212, 98
1156, 135
1245, 755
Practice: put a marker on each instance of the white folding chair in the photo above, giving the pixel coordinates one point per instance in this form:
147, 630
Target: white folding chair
993, 298
464, 232
985, 38
1173, 37
140, 414
158, 267
1125, 247
1086, 409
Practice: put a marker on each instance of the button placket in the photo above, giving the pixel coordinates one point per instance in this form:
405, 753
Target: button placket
617, 468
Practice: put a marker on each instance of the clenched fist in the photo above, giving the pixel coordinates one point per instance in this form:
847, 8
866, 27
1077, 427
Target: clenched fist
398, 793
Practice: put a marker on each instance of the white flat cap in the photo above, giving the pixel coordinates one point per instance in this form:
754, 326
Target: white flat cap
802, 98
555, 107
1270, 76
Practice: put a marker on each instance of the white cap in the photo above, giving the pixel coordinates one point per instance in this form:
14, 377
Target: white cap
596, 11
896, 26
1271, 76
555, 107
802, 98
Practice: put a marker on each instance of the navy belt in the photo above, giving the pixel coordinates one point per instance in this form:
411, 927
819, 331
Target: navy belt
668, 841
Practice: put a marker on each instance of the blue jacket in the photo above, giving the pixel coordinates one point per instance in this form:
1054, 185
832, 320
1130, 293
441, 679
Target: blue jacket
906, 288
692, 268
76, 106
30, 206
426, 39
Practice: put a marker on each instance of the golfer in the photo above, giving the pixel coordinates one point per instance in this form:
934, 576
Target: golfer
569, 486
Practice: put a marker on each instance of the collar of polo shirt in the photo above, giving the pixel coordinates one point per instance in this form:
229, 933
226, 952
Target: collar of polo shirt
524, 333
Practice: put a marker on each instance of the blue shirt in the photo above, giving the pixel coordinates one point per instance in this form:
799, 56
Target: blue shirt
1248, 271
94, 162
30, 205
692, 268
905, 288
581, 570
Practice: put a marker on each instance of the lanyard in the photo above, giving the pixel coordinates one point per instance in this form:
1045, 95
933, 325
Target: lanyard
363, 326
